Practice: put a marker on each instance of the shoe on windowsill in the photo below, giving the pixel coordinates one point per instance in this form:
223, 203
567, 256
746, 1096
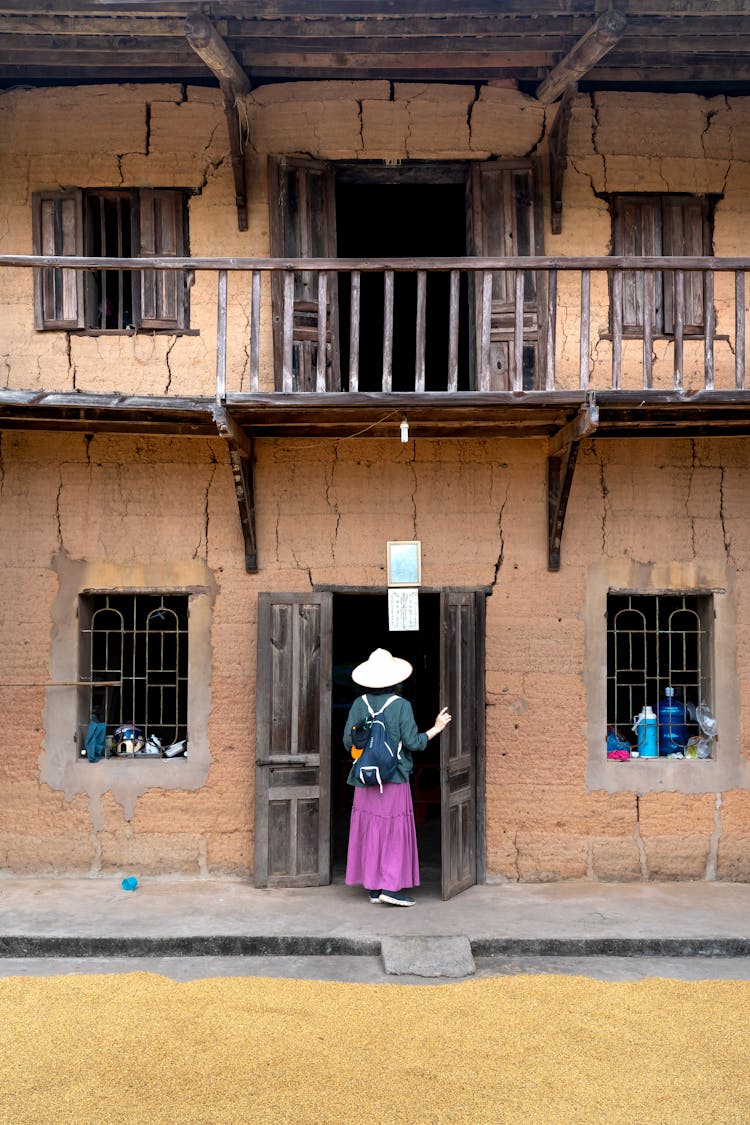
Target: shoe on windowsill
397, 898
375, 896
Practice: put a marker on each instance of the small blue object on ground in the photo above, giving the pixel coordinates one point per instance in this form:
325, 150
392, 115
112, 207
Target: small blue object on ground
130, 883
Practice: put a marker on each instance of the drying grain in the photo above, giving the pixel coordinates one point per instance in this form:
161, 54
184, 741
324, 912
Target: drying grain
139, 1048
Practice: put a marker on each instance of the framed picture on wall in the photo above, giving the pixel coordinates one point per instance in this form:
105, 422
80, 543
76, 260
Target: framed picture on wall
404, 562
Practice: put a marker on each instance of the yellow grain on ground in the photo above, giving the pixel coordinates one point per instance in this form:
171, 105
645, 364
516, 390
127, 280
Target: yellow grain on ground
142, 1048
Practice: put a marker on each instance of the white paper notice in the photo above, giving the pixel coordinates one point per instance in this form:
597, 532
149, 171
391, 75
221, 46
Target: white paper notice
403, 610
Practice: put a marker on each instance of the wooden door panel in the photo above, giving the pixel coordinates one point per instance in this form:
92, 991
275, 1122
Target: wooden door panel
504, 222
462, 689
293, 740
303, 225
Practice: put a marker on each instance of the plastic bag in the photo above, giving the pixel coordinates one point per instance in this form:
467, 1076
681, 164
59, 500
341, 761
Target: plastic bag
698, 747
618, 748
705, 720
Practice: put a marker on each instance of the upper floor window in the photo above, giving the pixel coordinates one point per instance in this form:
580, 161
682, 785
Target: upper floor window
662, 226
116, 223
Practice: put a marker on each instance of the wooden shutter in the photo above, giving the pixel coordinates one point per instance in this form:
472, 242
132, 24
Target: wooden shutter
462, 742
303, 225
159, 222
685, 233
504, 222
638, 233
293, 700
58, 229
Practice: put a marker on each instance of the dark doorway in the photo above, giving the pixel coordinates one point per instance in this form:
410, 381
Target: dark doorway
360, 624
402, 220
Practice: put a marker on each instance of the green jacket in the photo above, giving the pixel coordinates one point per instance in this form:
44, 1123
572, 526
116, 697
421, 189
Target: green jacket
400, 726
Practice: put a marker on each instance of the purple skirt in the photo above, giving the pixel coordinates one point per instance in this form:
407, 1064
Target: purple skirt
382, 839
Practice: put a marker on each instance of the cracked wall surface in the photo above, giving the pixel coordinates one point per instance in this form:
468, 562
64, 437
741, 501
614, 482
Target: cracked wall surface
138, 511
97, 512
175, 136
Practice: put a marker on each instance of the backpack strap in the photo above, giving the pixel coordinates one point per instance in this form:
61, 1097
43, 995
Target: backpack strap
391, 699
373, 715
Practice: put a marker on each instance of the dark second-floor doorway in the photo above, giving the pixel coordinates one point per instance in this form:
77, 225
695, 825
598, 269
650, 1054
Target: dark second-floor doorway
403, 219
417, 211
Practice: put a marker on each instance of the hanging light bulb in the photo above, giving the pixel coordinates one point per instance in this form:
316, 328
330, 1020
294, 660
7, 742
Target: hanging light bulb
404, 428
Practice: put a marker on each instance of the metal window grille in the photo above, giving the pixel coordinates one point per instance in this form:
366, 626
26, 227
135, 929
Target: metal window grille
654, 641
109, 296
142, 641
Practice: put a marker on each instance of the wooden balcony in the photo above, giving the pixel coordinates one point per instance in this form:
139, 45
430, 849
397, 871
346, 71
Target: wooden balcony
556, 348
465, 346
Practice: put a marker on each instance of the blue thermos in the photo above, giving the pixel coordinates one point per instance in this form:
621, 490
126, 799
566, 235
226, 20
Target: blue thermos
673, 731
644, 726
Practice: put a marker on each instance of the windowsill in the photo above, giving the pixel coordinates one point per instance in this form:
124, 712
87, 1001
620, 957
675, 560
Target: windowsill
130, 758
638, 335
130, 331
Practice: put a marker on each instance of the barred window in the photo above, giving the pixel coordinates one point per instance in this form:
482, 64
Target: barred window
134, 653
111, 223
657, 642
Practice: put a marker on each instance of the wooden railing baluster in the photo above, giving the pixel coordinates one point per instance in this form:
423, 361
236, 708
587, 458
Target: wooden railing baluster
354, 316
679, 328
419, 359
518, 332
549, 367
483, 375
221, 338
288, 334
585, 320
709, 328
322, 357
255, 332
616, 314
388, 330
648, 328
739, 330
453, 331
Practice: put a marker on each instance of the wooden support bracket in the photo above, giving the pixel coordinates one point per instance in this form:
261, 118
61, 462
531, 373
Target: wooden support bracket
558, 158
562, 455
241, 458
209, 46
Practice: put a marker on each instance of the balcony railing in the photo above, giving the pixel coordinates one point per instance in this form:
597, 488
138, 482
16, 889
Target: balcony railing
463, 324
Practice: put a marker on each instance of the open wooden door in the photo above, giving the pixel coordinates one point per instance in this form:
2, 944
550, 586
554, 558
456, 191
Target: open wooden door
462, 742
292, 786
504, 221
303, 225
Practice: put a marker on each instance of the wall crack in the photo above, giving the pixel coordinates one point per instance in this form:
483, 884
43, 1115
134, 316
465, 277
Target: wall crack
643, 858
712, 859
722, 517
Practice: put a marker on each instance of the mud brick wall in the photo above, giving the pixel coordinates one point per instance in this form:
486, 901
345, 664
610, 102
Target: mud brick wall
79, 512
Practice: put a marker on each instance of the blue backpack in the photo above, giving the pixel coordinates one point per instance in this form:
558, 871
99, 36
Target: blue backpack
378, 761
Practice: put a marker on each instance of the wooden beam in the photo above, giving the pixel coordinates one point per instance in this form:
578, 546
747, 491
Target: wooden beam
584, 423
559, 480
600, 38
558, 158
209, 46
241, 459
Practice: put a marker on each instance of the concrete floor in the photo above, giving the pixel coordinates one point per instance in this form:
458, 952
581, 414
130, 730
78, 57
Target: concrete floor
369, 970
188, 928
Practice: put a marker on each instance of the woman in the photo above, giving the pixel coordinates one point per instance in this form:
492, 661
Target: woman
382, 837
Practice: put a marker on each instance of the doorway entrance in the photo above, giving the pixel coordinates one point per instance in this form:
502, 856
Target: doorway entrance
409, 219
306, 644
360, 621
